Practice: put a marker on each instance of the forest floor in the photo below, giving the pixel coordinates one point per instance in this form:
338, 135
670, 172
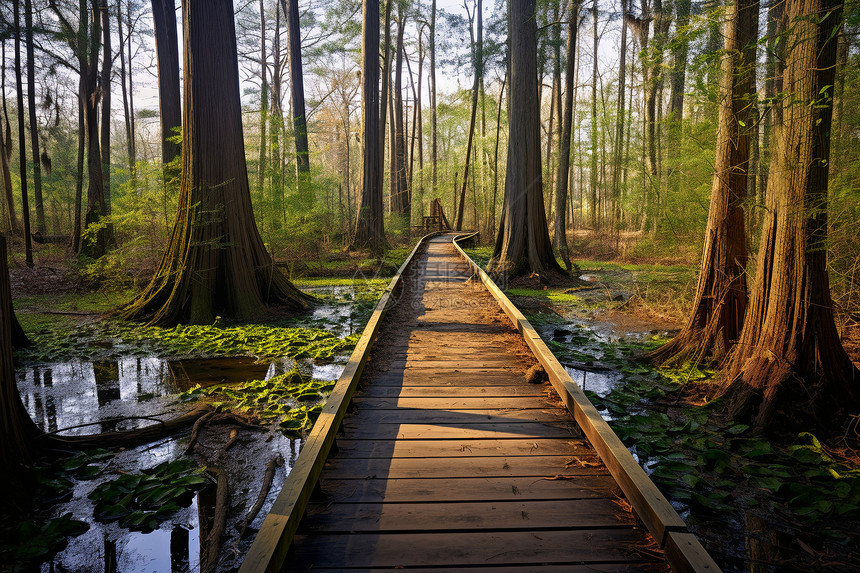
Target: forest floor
792, 505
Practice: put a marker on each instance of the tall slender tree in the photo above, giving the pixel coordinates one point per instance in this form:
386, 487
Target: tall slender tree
216, 263
478, 57
789, 369
6, 154
22, 146
721, 296
297, 93
105, 91
169, 97
563, 174
523, 244
400, 200
369, 230
34, 122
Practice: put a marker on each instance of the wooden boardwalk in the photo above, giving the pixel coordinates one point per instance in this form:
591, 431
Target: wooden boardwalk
450, 459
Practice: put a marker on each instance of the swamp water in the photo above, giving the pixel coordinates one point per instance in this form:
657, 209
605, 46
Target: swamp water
90, 397
133, 391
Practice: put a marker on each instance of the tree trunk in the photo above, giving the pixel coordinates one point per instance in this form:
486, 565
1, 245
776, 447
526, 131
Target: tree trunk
619, 129
297, 93
6, 155
478, 53
34, 124
369, 228
104, 85
523, 244
789, 370
96, 244
81, 52
264, 103
127, 111
276, 127
216, 263
595, 221
400, 200
496, 156
17, 429
774, 59
385, 96
721, 296
677, 78
563, 175
22, 153
169, 99
433, 148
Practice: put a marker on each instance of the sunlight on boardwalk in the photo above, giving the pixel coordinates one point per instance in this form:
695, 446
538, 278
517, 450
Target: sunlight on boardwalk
451, 459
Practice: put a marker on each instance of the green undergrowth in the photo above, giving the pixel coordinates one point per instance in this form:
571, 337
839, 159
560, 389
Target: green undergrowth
33, 540
290, 400
711, 464
143, 500
113, 338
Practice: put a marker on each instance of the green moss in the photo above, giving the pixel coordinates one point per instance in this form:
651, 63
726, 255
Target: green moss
112, 338
290, 400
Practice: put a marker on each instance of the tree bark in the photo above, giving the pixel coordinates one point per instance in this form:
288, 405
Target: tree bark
6, 155
677, 78
369, 229
479, 67
619, 129
595, 221
167, 54
523, 244
264, 103
400, 200
104, 86
297, 93
789, 370
22, 153
721, 295
127, 110
563, 175
34, 123
433, 116
17, 429
96, 244
216, 263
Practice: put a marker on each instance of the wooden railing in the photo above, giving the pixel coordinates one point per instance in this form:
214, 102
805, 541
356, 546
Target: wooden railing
682, 549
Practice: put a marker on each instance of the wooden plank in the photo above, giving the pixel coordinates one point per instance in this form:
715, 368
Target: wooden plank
465, 489
591, 568
686, 555
464, 516
651, 506
525, 430
459, 448
455, 403
453, 549
482, 364
586, 463
490, 416
416, 377
508, 391
271, 544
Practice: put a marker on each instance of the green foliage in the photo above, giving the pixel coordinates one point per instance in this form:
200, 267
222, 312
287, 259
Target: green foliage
141, 501
290, 399
111, 338
33, 540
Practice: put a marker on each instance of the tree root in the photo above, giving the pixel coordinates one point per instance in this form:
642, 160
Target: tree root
212, 543
268, 478
234, 435
122, 439
195, 431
